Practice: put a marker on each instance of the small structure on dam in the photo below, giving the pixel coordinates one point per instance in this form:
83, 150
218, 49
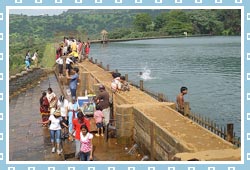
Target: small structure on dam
104, 36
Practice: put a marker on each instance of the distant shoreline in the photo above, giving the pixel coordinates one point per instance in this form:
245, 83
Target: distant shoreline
147, 38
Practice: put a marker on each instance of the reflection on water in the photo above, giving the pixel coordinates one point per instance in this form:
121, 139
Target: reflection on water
209, 66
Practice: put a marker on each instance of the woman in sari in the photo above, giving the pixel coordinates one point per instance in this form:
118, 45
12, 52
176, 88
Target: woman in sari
44, 108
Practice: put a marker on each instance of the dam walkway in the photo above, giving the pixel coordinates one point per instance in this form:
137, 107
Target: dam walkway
29, 141
155, 126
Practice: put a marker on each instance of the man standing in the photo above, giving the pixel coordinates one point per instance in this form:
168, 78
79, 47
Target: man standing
103, 102
180, 100
73, 81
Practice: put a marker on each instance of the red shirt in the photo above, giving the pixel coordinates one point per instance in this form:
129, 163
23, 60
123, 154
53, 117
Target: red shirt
77, 127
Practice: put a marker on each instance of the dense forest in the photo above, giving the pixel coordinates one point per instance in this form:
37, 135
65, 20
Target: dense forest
35, 32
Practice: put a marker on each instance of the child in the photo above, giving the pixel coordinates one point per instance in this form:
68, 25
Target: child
124, 84
98, 116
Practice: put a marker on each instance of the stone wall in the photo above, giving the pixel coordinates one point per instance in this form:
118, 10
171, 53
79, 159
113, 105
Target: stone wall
156, 127
153, 138
133, 126
21, 80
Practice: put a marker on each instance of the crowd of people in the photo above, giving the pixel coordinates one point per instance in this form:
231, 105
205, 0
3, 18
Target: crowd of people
75, 50
66, 120
63, 115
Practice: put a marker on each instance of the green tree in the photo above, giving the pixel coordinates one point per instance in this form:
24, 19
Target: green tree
205, 22
175, 22
231, 20
161, 20
175, 27
142, 21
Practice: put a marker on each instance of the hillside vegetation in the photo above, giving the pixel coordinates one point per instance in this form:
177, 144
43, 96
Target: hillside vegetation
36, 32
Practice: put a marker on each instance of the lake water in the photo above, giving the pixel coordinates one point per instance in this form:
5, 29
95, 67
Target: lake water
209, 66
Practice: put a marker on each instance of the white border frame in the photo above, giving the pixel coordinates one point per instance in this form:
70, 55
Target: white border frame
242, 162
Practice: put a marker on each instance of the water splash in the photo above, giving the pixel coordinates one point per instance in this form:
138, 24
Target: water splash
146, 74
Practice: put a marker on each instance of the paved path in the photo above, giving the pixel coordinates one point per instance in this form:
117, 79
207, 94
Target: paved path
28, 141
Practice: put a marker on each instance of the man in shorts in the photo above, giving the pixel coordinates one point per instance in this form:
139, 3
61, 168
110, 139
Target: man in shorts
180, 99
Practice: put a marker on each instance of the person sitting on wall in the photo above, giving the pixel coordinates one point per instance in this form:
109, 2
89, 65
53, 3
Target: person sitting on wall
124, 84
116, 84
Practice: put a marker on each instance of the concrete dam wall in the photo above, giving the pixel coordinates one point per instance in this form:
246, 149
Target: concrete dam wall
156, 127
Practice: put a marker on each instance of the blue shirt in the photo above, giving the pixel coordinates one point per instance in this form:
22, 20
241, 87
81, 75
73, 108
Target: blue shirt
73, 81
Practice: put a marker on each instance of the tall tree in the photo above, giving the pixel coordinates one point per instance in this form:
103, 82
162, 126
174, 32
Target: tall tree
205, 22
141, 21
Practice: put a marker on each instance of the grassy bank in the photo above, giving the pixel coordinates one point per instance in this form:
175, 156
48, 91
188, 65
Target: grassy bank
48, 60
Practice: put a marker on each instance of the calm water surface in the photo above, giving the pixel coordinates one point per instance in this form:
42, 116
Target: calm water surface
209, 66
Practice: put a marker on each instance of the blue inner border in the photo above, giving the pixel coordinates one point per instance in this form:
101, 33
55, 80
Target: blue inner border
136, 3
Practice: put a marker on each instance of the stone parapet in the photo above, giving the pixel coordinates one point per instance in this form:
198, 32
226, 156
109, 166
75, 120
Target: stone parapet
25, 78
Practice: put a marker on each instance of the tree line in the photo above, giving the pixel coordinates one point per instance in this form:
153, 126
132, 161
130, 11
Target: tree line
176, 22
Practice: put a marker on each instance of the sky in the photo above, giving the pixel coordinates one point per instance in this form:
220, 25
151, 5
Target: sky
37, 11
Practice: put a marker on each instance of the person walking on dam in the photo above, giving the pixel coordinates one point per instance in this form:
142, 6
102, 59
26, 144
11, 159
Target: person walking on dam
72, 114
77, 123
52, 98
44, 108
55, 121
73, 81
180, 99
86, 146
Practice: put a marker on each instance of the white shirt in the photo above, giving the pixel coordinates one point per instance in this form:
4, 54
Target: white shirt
71, 106
116, 84
67, 42
68, 61
86, 137
50, 96
63, 107
59, 60
55, 123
